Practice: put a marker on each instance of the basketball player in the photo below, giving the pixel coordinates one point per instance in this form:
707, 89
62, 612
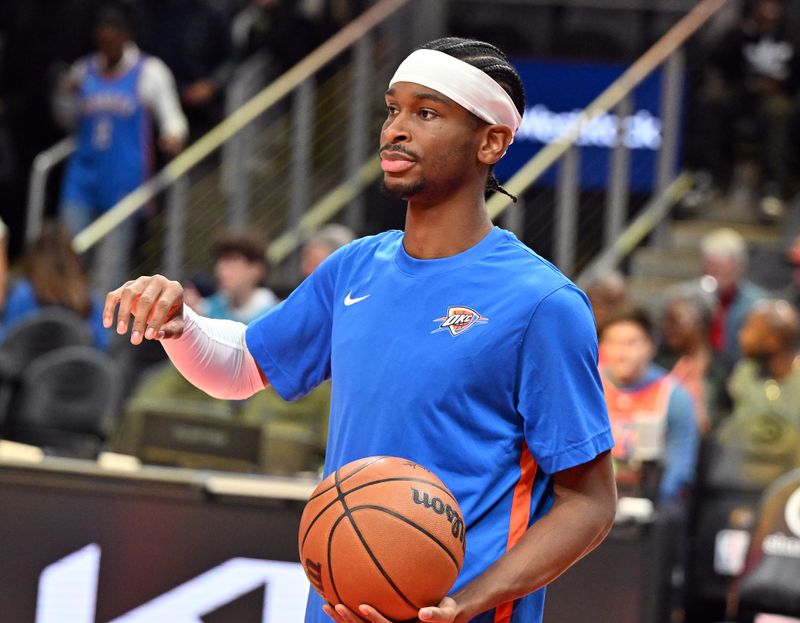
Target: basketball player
451, 344
113, 94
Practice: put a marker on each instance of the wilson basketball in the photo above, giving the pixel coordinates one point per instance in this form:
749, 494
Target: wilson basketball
382, 531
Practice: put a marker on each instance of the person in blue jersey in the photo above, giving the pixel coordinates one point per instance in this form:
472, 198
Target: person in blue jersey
450, 343
110, 97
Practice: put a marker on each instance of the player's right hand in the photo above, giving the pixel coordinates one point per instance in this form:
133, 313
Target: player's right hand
155, 303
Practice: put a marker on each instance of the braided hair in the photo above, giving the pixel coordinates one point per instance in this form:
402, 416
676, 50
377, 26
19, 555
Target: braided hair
495, 64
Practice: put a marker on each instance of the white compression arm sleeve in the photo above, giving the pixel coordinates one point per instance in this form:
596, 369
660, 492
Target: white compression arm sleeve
213, 356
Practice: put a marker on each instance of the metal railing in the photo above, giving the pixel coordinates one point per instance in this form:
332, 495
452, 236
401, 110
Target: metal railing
612, 212
282, 151
278, 173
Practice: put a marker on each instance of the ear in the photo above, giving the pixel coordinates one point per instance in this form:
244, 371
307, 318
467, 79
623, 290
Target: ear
494, 143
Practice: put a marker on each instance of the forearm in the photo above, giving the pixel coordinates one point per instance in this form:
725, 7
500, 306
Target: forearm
575, 525
212, 355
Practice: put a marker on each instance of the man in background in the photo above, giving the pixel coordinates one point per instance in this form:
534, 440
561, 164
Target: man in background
652, 416
109, 96
239, 271
725, 258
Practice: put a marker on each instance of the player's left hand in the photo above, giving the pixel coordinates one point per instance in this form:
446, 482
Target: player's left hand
444, 612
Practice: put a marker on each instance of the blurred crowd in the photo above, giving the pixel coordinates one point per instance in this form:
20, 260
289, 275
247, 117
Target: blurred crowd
55, 55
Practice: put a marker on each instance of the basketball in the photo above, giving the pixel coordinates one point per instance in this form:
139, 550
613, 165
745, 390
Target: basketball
382, 531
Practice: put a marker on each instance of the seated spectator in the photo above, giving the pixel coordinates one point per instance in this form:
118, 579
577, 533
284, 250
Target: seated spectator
296, 433
725, 256
53, 276
768, 378
753, 79
109, 96
239, 270
792, 292
686, 353
3, 264
652, 416
765, 389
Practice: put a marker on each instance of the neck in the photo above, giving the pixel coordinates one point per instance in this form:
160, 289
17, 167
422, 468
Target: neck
780, 365
446, 228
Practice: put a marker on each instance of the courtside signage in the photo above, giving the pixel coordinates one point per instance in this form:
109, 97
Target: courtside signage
68, 592
557, 92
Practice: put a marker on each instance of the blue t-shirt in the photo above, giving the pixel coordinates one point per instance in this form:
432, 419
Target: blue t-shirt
481, 367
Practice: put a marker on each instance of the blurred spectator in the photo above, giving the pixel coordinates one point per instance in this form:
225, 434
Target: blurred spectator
53, 276
3, 264
321, 244
279, 27
652, 416
792, 292
38, 37
725, 257
762, 435
768, 378
606, 290
752, 83
296, 432
111, 95
239, 269
686, 353
193, 39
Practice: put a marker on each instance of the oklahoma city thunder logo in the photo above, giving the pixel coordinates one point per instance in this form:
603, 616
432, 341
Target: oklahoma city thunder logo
458, 320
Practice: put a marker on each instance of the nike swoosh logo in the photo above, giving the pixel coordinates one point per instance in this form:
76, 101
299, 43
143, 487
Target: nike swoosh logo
349, 300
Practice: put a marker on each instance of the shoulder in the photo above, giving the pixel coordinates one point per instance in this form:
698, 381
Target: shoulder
153, 68
369, 248
751, 293
531, 275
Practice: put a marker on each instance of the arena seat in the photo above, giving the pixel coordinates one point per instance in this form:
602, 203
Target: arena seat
49, 329
68, 400
770, 583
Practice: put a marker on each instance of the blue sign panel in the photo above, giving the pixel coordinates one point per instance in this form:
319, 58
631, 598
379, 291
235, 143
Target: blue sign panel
557, 92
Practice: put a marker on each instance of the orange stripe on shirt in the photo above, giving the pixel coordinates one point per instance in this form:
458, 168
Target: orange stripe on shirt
520, 515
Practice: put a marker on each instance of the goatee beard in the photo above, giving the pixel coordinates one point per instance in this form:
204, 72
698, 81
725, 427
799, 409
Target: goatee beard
402, 191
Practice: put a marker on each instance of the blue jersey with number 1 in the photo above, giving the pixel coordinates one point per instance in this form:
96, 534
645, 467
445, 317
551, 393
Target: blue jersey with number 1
114, 147
481, 366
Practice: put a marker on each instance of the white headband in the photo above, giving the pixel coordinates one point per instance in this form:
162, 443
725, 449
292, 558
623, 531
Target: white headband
466, 85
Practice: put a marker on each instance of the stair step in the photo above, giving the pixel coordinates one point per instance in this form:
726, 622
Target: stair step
668, 263
652, 293
687, 234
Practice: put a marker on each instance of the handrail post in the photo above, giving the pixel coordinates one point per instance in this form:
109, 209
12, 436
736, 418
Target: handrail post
671, 100
300, 168
566, 215
43, 164
174, 251
359, 117
619, 173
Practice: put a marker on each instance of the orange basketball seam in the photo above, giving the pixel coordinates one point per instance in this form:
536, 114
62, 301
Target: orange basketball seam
413, 525
355, 471
366, 547
363, 486
330, 559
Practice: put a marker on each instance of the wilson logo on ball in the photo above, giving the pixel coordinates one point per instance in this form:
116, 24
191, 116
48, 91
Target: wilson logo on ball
440, 508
